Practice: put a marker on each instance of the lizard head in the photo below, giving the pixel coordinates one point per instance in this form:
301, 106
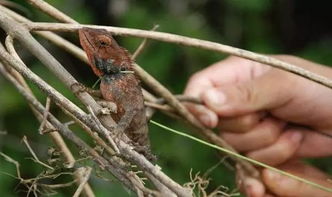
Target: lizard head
104, 54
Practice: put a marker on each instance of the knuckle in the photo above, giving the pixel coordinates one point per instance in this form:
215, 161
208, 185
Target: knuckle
249, 121
272, 130
246, 93
285, 153
195, 77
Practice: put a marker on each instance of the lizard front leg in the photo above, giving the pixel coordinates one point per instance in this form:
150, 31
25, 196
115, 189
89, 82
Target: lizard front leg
79, 87
141, 145
125, 121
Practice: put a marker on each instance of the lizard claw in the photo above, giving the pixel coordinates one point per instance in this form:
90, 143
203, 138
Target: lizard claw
108, 107
78, 88
117, 133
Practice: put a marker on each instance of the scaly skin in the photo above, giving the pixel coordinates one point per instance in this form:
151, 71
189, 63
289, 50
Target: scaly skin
107, 59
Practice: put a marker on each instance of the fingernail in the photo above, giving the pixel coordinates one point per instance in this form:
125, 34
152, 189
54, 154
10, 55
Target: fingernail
209, 119
215, 98
249, 190
253, 187
271, 175
296, 136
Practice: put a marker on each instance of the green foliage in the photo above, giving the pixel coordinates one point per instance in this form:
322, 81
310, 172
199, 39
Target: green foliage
240, 23
250, 6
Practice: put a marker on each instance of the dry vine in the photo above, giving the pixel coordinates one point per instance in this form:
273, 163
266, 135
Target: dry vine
119, 155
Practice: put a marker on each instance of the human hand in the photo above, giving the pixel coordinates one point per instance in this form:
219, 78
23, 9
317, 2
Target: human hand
268, 114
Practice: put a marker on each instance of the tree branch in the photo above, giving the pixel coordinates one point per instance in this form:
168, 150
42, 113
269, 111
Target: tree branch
191, 42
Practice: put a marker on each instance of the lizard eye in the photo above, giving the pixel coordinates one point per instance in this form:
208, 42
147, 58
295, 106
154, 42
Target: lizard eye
102, 43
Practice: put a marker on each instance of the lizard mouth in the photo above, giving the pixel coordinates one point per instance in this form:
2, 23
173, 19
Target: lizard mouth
107, 67
86, 37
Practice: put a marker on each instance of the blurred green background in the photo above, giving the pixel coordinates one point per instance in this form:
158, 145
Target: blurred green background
298, 27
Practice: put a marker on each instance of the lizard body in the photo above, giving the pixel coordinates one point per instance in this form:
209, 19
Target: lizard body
109, 61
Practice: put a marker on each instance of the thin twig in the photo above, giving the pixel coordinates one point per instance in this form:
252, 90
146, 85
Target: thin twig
137, 158
56, 186
13, 161
184, 98
164, 191
159, 106
160, 103
143, 44
192, 42
209, 46
63, 129
182, 110
107, 134
257, 163
85, 172
47, 107
92, 134
74, 50
55, 136
67, 133
177, 105
156, 86
47, 8
58, 98
21, 33
25, 140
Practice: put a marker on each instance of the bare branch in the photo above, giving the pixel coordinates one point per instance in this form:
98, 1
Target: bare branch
179, 107
45, 7
57, 139
58, 98
142, 45
157, 87
192, 42
34, 154
154, 84
133, 156
85, 173
159, 106
67, 133
21, 33
13, 161
106, 132
47, 108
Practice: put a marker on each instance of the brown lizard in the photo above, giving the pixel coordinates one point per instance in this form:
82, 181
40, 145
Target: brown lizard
118, 84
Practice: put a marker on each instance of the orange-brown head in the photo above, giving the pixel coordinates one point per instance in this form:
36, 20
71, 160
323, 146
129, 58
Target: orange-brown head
104, 53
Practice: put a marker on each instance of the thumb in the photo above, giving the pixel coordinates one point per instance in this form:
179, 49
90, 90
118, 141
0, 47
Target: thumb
265, 92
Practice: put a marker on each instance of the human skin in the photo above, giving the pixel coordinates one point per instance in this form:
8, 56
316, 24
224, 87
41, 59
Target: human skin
269, 115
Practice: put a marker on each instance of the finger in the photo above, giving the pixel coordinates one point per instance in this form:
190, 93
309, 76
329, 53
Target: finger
315, 144
254, 188
197, 84
282, 150
262, 135
204, 115
228, 71
240, 124
285, 186
269, 195
250, 96
295, 166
